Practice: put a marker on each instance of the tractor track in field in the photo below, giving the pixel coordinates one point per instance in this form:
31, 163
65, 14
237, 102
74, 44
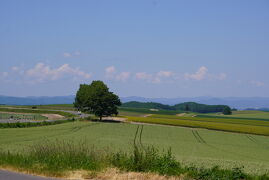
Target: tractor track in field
254, 140
198, 136
77, 128
199, 139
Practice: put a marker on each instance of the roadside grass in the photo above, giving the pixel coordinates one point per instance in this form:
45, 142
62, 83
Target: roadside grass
36, 111
33, 124
60, 157
22, 116
208, 124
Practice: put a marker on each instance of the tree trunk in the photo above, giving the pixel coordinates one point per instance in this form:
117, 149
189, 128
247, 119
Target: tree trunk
100, 118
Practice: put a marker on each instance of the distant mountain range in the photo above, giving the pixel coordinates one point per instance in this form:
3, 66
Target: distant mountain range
42, 100
234, 102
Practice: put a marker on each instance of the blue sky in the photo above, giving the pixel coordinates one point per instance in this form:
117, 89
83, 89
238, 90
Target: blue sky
150, 48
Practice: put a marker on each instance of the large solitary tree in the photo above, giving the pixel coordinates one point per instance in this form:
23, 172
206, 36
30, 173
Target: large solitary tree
227, 110
97, 99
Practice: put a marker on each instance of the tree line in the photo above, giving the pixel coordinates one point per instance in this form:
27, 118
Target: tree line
187, 106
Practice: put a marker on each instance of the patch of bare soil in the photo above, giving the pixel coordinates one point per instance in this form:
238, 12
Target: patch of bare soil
114, 119
154, 109
147, 115
114, 174
53, 116
181, 114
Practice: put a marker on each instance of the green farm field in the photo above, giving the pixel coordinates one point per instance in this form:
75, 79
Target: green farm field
246, 114
200, 147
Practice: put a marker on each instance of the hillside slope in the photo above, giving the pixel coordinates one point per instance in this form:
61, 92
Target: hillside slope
187, 106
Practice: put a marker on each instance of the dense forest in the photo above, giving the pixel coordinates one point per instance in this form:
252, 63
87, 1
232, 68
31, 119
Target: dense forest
187, 106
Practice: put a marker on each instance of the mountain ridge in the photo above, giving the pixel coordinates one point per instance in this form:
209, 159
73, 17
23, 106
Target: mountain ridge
234, 102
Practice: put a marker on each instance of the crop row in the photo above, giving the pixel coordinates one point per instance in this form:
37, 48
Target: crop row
216, 120
242, 128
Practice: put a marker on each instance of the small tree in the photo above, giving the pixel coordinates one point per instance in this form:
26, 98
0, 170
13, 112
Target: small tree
187, 108
97, 99
227, 110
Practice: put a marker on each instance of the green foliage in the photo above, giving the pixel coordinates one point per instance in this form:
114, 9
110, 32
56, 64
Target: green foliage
148, 111
187, 106
217, 173
148, 105
32, 124
227, 111
200, 108
97, 99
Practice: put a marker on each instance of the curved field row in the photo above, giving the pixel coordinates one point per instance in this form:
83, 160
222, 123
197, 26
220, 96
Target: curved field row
217, 120
242, 128
246, 114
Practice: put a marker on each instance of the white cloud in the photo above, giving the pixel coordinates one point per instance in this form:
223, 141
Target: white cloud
143, 75
199, 75
222, 76
152, 78
77, 53
110, 70
111, 73
66, 54
203, 74
165, 74
15, 68
257, 83
123, 76
71, 54
3, 75
42, 72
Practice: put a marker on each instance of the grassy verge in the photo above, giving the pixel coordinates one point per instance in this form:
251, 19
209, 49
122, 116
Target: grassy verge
60, 157
33, 124
22, 116
66, 114
186, 122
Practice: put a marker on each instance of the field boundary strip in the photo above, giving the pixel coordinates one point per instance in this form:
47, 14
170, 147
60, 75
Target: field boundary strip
214, 121
236, 128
